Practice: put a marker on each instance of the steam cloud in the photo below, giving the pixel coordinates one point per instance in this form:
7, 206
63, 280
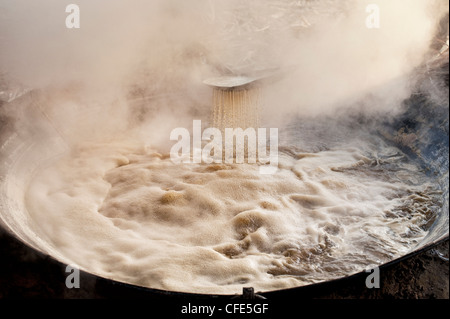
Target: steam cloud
328, 58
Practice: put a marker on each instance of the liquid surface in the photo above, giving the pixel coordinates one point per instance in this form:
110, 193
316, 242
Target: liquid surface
128, 213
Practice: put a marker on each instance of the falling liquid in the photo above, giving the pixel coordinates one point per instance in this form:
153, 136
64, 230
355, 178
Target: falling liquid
236, 108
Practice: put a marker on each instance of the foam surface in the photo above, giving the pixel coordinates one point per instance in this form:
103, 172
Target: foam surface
128, 213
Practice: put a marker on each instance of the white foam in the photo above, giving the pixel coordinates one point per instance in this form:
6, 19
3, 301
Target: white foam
130, 214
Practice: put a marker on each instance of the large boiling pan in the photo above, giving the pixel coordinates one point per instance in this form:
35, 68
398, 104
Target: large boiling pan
24, 149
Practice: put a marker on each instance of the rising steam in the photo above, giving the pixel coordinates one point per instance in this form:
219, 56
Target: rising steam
326, 56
